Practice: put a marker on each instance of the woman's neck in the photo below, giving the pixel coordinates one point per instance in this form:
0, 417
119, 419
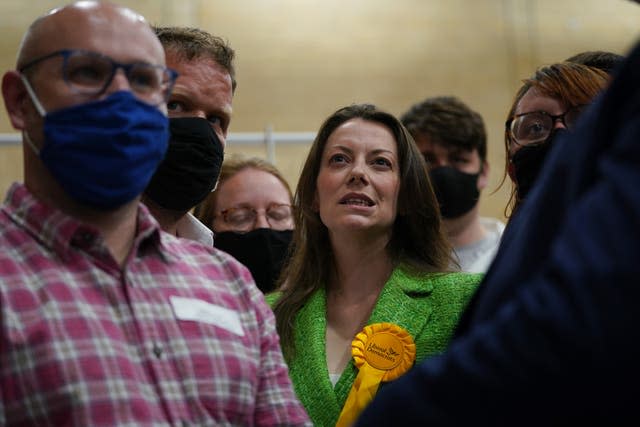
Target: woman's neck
360, 262
352, 292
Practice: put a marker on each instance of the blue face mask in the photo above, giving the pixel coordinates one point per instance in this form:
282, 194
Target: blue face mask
103, 153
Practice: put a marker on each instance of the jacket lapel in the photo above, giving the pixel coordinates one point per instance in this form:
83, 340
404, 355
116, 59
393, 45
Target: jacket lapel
402, 302
398, 304
310, 365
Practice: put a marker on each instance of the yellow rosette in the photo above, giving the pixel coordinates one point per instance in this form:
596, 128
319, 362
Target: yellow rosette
382, 352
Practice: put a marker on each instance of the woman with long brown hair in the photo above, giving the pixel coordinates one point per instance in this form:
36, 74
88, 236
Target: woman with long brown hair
370, 258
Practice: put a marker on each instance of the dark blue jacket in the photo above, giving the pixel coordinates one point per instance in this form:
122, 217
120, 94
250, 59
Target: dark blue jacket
553, 335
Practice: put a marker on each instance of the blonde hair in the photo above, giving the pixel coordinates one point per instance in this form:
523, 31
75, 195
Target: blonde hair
206, 210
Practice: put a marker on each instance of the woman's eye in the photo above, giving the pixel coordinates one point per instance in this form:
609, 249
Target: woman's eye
338, 158
536, 129
381, 161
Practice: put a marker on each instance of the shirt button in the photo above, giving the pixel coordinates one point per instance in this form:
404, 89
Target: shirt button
157, 350
83, 238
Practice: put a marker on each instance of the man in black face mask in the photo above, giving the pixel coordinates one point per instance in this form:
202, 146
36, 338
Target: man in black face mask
453, 140
199, 115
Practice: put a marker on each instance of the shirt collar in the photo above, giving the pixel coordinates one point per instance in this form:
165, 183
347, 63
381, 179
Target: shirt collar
61, 232
189, 227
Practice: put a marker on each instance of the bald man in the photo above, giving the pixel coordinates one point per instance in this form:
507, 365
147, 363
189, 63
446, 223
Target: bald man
104, 318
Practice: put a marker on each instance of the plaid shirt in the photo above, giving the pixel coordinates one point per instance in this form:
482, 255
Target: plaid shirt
178, 335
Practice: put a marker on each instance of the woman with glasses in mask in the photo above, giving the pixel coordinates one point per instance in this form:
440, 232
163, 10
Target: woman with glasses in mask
367, 291
549, 103
250, 215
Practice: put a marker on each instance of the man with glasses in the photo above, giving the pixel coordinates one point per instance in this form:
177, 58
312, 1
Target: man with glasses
200, 108
104, 318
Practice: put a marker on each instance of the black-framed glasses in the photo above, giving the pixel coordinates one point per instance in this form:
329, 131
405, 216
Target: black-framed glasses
279, 217
90, 73
536, 126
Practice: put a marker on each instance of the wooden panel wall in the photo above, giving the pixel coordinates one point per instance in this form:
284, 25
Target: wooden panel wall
299, 60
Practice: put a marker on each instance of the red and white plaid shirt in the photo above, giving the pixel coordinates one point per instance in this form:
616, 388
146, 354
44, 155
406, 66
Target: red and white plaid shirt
179, 335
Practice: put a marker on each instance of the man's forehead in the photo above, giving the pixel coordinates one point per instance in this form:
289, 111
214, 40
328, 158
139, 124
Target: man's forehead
203, 74
93, 8
176, 59
431, 146
102, 27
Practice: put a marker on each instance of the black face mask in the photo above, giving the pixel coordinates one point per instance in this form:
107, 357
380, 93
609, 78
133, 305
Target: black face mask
263, 251
191, 166
528, 161
456, 191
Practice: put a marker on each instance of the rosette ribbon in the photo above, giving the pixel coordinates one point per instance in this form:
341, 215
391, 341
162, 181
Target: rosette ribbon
381, 352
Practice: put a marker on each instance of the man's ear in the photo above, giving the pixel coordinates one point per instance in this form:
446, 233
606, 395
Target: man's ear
483, 178
15, 98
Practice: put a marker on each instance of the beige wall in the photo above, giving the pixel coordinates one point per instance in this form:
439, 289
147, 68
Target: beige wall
298, 60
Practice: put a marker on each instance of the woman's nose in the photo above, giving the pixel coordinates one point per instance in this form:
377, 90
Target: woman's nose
261, 221
357, 174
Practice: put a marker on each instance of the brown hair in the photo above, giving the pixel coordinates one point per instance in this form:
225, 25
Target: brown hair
600, 59
231, 165
570, 83
417, 239
192, 43
449, 122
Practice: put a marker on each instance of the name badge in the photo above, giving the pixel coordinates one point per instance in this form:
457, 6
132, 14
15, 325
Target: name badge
202, 311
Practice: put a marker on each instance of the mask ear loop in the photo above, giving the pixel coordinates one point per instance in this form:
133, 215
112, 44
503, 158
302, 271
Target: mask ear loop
39, 108
30, 142
33, 96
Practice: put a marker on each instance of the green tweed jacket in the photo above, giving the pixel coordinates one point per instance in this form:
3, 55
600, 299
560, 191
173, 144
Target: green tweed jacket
428, 307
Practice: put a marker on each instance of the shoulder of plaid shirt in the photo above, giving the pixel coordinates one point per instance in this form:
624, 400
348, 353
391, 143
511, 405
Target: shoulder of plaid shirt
178, 333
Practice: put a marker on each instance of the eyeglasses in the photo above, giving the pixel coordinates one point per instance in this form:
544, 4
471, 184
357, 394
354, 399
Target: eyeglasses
91, 73
535, 127
279, 217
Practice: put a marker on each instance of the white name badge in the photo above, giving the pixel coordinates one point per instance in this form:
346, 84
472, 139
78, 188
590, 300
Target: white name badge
202, 311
